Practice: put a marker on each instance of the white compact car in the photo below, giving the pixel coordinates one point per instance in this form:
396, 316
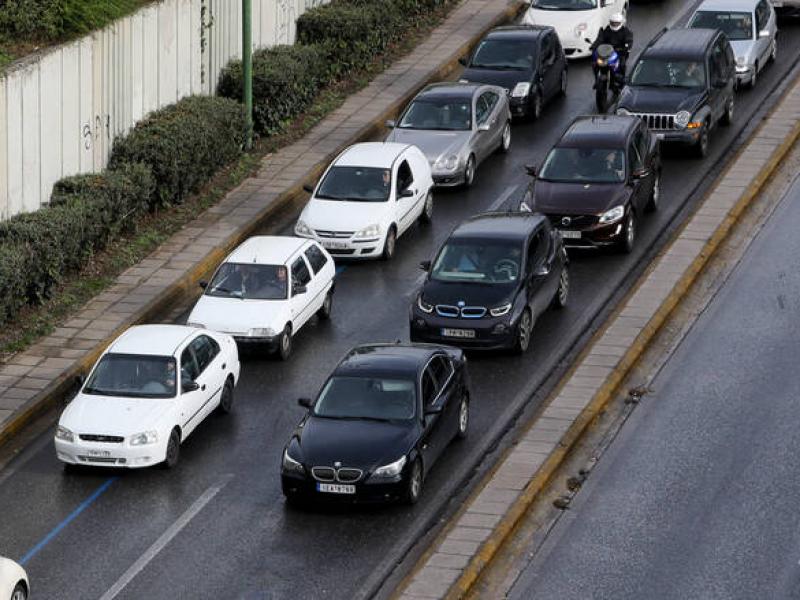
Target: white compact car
367, 198
13, 581
266, 290
146, 394
575, 21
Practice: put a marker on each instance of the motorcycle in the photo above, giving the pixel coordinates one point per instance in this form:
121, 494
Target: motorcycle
607, 76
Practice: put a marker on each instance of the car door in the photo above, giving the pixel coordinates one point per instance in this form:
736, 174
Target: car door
716, 75
542, 280
549, 73
638, 176
192, 400
212, 373
405, 205
483, 136
300, 303
430, 446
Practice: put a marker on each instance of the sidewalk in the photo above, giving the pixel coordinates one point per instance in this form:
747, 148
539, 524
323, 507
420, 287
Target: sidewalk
456, 559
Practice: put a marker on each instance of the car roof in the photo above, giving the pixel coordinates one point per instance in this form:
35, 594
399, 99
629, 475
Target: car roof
266, 250
499, 225
598, 131
517, 32
454, 89
386, 359
151, 340
728, 5
681, 43
380, 155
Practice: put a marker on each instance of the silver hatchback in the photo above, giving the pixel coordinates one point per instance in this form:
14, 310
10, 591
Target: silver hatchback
457, 126
751, 27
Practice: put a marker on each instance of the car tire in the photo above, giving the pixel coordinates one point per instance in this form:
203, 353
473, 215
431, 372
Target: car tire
469, 171
562, 90
522, 339
173, 453
427, 211
413, 490
389, 245
20, 592
562, 292
285, 343
536, 108
505, 140
226, 400
773, 55
324, 312
754, 78
628, 235
655, 194
701, 146
727, 116
463, 419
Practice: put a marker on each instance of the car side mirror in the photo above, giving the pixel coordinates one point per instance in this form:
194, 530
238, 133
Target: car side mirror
640, 173
483, 127
299, 289
189, 386
606, 3
203, 284
542, 271
308, 188
530, 170
764, 33
390, 124
305, 402
407, 193
425, 265
433, 409
462, 61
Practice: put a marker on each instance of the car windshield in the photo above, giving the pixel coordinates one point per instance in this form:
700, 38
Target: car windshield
374, 398
564, 4
584, 165
133, 376
479, 261
517, 55
356, 184
442, 114
736, 25
249, 282
669, 73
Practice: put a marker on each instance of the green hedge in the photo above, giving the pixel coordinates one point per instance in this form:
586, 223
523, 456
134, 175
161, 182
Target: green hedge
184, 145
286, 79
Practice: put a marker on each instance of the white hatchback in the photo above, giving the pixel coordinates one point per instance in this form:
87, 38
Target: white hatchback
146, 394
267, 290
13, 581
367, 198
575, 21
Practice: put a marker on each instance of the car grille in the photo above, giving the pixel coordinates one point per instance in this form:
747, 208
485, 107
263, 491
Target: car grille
657, 121
343, 475
466, 312
340, 251
334, 234
572, 221
108, 439
107, 460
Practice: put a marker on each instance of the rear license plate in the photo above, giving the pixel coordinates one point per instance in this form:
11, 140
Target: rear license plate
334, 245
459, 333
336, 488
105, 453
570, 235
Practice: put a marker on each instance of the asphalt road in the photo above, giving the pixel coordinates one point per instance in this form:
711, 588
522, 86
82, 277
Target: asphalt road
218, 526
697, 496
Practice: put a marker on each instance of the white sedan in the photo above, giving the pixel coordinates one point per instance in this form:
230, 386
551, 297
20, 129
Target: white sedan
13, 581
267, 290
146, 394
368, 197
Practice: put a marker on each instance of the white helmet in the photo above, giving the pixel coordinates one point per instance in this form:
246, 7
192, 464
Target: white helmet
616, 21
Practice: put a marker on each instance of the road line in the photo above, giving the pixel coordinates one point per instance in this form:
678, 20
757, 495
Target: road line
72, 516
165, 539
503, 197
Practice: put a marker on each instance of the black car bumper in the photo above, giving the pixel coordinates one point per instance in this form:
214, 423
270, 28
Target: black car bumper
307, 489
488, 333
520, 107
688, 137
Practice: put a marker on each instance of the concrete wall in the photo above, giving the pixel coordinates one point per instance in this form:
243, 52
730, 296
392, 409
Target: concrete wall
60, 111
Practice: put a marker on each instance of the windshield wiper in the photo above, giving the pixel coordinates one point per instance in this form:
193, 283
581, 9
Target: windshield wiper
499, 67
99, 392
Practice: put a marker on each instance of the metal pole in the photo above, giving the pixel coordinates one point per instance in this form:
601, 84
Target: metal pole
247, 64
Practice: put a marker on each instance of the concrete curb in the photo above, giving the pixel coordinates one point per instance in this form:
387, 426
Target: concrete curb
605, 389
186, 286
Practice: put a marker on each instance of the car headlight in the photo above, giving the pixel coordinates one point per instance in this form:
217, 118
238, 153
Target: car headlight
463, 81
302, 229
623, 112
449, 163
290, 464
262, 332
392, 469
195, 324
682, 118
580, 28
521, 90
145, 438
64, 434
369, 232
424, 306
613, 215
499, 311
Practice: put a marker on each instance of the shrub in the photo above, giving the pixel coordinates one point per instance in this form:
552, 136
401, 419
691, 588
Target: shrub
286, 79
184, 145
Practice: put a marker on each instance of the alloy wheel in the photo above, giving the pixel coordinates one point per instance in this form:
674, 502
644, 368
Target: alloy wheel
773, 55
285, 343
563, 288
524, 332
655, 195
754, 77
506, 143
564, 80
427, 212
537, 106
414, 488
630, 234
469, 172
463, 419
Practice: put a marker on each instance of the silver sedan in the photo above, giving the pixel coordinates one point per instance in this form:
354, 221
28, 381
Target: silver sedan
751, 27
457, 126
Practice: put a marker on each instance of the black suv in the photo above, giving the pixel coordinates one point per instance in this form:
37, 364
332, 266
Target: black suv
526, 60
603, 173
682, 85
490, 281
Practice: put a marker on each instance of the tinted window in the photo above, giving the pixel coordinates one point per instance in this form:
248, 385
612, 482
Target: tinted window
762, 16
483, 108
367, 398
584, 165
517, 55
537, 251
736, 25
404, 177
205, 350
482, 261
431, 113
548, 50
429, 389
316, 258
133, 376
249, 281
189, 368
300, 274
441, 368
564, 4
668, 73
357, 184
641, 140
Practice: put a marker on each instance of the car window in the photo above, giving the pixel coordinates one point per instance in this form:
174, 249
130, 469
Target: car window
316, 258
762, 16
438, 114
441, 369
548, 50
479, 260
205, 350
404, 177
537, 250
133, 376
248, 281
584, 165
517, 55
189, 369
717, 62
482, 108
300, 273
429, 389
658, 72
355, 184
634, 159
641, 139
736, 25
491, 99
366, 397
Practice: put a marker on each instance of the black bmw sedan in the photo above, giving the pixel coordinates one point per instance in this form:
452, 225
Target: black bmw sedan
379, 424
490, 281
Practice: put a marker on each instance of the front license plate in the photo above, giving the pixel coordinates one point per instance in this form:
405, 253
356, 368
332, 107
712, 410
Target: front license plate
334, 245
336, 488
570, 235
105, 453
660, 136
459, 333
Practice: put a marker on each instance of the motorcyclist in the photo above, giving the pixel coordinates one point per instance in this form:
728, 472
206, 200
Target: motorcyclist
617, 35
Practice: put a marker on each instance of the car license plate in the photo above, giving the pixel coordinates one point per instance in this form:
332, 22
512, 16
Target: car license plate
568, 234
459, 333
105, 453
336, 488
334, 245
660, 136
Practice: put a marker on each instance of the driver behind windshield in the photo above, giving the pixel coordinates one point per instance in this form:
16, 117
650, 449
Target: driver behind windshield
493, 263
691, 76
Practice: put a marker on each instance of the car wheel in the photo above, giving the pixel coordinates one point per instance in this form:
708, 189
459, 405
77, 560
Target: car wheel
655, 195
536, 109
727, 117
773, 55
562, 293
414, 483
325, 310
524, 329
469, 171
628, 237
505, 142
389, 244
701, 146
173, 450
20, 592
285, 343
427, 211
563, 87
463, 419
226, 400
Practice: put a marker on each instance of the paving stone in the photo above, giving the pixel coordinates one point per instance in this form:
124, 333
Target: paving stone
469, 534
460, 546
448, 561
26, 360
15, 370
31, 383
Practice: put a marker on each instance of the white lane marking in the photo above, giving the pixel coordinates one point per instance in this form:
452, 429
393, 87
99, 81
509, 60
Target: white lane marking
503, 197
165, 539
